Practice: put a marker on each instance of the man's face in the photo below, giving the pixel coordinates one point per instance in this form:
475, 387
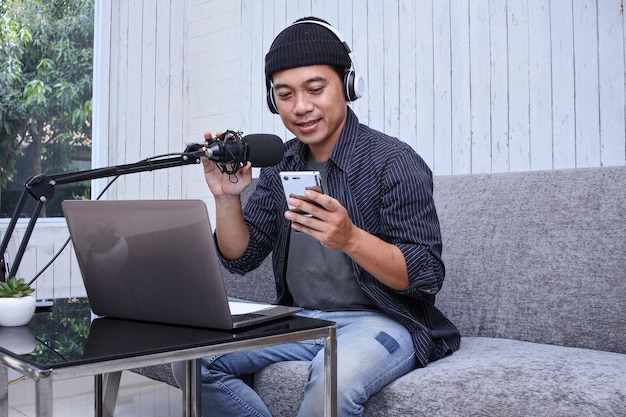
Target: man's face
312, 105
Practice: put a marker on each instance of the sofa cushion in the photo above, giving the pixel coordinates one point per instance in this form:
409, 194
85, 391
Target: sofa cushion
536, 256
257, 285
486, 377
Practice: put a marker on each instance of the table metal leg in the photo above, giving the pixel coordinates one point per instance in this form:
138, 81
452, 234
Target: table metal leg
106, 389
43, 396
98, 389
192, 396
111, 389
330, 368
4, 391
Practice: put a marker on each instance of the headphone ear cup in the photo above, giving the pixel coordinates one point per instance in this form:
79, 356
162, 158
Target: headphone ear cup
348, 86
271, 100
354, 84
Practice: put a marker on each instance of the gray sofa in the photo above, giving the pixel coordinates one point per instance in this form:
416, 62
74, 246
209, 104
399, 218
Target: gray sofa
535, 282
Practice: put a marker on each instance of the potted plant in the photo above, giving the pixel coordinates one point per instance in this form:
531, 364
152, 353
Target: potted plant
17, 303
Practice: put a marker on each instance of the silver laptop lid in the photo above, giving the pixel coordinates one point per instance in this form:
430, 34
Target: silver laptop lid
152, 260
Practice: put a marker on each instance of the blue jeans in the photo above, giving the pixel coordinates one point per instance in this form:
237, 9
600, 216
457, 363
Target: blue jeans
372, 351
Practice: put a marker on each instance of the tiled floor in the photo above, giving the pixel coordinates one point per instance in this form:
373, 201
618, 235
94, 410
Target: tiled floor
138, 397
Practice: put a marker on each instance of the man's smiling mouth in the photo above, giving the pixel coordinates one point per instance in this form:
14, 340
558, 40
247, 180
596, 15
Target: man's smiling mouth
309, 123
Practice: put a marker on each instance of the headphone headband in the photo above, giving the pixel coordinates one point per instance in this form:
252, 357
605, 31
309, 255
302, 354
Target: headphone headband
327, 26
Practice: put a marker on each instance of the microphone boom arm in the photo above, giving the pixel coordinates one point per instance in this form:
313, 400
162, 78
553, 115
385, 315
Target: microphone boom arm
41, 188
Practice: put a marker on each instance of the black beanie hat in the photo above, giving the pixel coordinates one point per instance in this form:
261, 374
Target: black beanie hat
305, 44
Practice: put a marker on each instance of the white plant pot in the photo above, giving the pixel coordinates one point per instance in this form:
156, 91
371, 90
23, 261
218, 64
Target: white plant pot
17, 311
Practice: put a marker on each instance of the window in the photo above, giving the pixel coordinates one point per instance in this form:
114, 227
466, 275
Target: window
46, 71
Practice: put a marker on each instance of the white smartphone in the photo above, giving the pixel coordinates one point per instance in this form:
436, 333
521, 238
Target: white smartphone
296, 182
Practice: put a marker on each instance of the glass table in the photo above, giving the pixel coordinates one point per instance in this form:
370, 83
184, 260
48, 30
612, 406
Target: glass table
66, 341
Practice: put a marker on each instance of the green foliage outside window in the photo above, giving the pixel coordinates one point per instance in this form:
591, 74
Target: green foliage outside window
46, 71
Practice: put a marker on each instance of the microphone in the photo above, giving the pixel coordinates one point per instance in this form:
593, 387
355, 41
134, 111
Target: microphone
231, 151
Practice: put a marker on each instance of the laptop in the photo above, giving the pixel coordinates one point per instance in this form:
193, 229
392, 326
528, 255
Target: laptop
156, 261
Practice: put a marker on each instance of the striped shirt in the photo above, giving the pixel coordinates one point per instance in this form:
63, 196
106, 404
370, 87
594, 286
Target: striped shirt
387, 189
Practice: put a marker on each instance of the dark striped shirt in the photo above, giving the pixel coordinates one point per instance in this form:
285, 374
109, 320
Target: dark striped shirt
387, 189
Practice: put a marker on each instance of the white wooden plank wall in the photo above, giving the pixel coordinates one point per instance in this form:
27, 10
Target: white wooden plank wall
147, 96
474, 86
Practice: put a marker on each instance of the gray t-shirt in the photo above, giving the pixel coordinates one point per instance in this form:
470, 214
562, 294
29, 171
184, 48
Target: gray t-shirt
319, 277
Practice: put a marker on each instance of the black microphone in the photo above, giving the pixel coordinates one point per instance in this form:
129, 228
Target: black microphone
231, 151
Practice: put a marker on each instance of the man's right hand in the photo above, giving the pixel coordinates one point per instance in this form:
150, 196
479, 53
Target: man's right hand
225, 185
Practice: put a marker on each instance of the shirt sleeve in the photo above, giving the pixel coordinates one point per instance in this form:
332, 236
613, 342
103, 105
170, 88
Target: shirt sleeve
409, 220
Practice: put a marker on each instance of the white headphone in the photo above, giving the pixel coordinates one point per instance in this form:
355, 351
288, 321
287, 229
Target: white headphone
353, 81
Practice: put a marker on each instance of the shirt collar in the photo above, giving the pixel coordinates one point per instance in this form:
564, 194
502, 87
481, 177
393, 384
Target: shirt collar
345, 147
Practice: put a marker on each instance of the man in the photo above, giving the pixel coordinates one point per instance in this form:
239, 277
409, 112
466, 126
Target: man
367, 257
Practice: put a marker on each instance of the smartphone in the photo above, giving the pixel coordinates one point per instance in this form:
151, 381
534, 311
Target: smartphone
296, 182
